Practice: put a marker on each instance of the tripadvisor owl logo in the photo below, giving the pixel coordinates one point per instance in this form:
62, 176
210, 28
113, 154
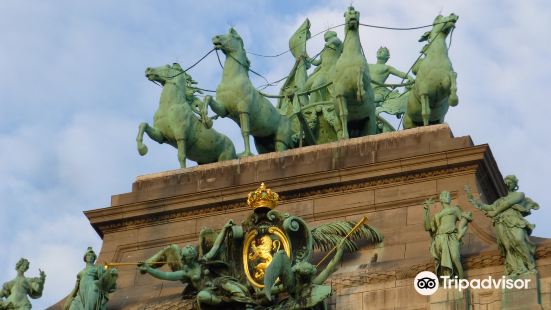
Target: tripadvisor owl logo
426, 283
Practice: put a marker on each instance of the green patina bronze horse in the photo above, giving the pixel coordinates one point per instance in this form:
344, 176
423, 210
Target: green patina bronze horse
174, 121
237, 99
352, 83
290, 102
435, 87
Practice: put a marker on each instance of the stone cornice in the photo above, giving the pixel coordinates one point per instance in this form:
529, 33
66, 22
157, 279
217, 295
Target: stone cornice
383, 168
110, 219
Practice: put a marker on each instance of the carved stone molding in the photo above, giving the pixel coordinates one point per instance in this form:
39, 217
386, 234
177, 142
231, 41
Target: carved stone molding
234, 206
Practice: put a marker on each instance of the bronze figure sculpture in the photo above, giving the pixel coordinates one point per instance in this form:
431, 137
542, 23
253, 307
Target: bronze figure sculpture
446, 228
16, 291
512, 229
237, 267
93, 286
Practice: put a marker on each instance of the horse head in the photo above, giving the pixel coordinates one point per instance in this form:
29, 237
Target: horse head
297, 42
166, 73
352, 19
440, 25
231, 44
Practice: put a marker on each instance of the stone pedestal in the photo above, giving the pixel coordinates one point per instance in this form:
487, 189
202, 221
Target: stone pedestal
450, 299
522, 298
386, 177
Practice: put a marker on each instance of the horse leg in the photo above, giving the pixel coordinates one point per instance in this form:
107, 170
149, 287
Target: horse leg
245, 131
453, 100
343, 116
408, 122
228, 150
142, 148
153, 133
280, 146
372, 120
181, 152
216, 107
425, 109
372, 125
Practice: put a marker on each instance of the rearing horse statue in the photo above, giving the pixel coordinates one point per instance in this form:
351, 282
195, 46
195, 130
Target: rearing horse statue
237, 99
298, 75
435, 87
352, 85
175, 123
290, 102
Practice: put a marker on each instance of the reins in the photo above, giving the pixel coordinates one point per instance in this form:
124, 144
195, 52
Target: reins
268, 84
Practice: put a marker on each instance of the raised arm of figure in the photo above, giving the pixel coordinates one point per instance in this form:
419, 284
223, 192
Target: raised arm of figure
476, 202
36, 285
399, 74
219, 239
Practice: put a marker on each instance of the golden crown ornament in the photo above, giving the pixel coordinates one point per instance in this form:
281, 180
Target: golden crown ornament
262, 197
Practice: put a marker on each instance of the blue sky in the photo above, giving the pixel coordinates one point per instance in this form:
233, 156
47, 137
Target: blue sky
73, 91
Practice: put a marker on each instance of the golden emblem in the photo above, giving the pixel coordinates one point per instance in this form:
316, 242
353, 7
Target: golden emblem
258, 251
